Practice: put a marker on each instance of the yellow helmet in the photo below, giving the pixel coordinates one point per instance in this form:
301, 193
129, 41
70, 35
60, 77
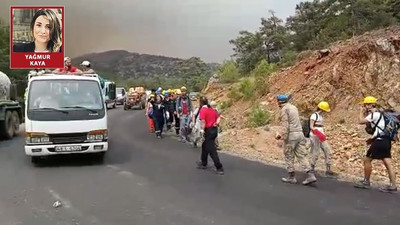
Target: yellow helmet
163, 92
183, 88
178, 91
370, 100
152, 96
324, 106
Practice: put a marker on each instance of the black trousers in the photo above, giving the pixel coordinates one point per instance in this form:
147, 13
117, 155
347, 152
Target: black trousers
209, 148
177, 124
159, 125
170, 119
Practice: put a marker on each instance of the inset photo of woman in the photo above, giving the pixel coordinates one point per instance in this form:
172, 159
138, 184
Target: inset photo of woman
37, 30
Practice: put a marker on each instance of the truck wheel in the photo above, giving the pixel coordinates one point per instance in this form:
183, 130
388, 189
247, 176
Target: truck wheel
7, 126
16, 122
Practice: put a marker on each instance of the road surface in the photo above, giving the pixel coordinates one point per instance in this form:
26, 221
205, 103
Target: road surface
149, 181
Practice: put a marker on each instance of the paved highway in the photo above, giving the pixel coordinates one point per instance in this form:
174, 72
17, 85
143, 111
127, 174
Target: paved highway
144, 180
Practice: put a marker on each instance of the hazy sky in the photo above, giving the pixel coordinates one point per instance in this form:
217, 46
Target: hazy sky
177, 28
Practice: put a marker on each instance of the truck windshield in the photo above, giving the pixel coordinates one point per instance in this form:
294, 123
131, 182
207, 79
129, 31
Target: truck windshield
65, 94
60, 100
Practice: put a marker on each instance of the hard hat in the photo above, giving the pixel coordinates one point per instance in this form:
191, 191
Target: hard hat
183, 88
159, 89
67, 58
152, 96
85, 63
324, 106
213, 103
178, 91
282, 98
370, 100
163, 92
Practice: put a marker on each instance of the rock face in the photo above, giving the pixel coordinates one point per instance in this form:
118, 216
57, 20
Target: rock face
343, 76
5, 84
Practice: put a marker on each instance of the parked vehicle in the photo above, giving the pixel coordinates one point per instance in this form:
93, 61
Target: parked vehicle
136, 97
65, 114
10, 110
109, 91
120, 95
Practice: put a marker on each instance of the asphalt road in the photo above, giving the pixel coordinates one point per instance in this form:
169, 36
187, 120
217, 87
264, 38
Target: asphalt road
149, 181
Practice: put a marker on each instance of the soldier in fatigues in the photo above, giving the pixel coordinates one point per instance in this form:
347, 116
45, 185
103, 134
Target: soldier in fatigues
294, 142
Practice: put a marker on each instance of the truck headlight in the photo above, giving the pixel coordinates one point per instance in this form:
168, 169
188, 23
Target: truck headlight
97, 135
37, 138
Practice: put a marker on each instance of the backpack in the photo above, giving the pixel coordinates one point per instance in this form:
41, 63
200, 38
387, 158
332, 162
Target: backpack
392, 124
306, 125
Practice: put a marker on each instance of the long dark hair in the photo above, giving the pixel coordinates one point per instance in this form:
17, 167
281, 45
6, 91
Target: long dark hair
55, 28
204, 101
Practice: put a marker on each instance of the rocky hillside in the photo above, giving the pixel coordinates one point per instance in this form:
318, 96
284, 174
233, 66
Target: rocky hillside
342, 75
133, 65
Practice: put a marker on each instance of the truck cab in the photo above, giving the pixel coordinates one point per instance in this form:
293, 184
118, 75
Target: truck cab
65, 114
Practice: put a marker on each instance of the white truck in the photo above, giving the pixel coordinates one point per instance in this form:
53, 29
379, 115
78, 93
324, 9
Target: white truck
65, 114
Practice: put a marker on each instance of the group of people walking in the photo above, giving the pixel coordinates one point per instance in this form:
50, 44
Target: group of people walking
195, 124
294, 135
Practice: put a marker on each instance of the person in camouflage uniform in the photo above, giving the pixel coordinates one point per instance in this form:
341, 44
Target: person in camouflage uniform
294, 142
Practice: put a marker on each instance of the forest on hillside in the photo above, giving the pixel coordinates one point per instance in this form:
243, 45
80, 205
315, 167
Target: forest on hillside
315, 25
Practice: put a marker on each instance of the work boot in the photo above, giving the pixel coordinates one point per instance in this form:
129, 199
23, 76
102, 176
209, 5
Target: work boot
313, 168
290, 179
200, 165
388, 189
310, 178
364, 184
220, 171
329, 172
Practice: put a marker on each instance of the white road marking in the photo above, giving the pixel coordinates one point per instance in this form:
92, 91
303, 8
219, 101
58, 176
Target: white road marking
65, 203
113, 167
126, 173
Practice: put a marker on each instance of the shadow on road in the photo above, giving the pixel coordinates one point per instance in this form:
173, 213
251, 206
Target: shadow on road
72, 160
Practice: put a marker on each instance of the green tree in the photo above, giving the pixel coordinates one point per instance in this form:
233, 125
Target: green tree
14, 74
248, 48
228, 72
274, 37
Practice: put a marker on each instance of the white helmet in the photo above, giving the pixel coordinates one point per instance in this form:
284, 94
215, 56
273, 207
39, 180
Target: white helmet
85, 63
67, 58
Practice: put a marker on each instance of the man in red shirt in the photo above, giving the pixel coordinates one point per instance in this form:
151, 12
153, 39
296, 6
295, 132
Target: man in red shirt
210, 121
68, 68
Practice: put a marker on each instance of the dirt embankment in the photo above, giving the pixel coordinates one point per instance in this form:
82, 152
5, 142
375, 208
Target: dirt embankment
342, 75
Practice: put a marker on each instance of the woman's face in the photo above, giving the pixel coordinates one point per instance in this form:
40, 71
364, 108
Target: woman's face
41, 29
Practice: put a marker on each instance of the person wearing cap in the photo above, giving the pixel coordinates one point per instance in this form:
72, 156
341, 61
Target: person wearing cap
196, 122
184, 109
318, 137
68, 68
149, 112
169, 109
86, 68
379, 145
213, 105
176, 117
294, 142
